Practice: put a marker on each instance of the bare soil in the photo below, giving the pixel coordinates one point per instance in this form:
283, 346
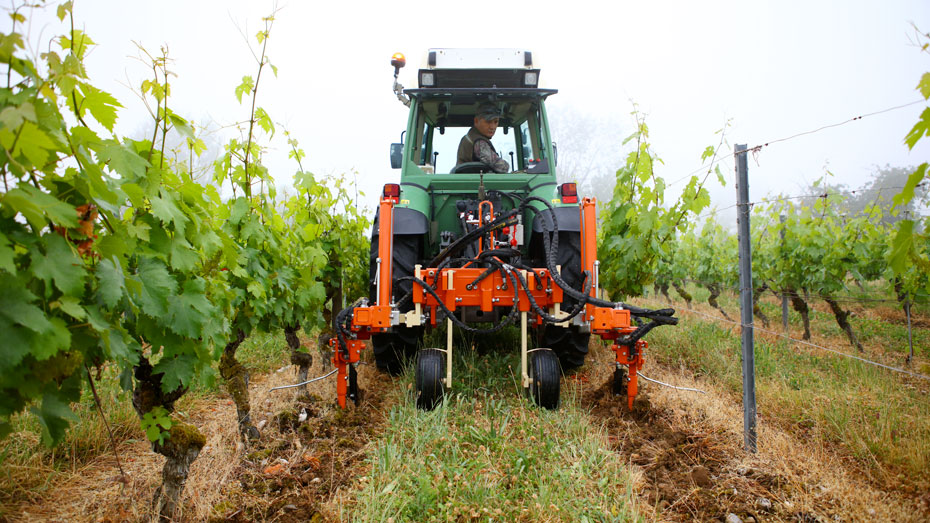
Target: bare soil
688, 475
686, 450
295, 470
291, 474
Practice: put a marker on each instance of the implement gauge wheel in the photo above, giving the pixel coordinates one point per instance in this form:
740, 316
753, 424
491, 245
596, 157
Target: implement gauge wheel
430, 371
544, 376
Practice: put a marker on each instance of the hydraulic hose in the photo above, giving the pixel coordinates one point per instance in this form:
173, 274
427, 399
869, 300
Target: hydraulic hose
504, 220
551, 245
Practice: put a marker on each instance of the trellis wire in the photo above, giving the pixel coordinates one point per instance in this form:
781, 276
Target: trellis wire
814, 345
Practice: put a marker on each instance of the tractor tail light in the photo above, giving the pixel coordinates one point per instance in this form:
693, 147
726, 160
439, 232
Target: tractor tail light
569, 193
392, 192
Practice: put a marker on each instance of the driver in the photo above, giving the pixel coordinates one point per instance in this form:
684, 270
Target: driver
476, 144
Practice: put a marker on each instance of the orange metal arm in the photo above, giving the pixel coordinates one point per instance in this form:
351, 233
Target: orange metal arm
385, 248
341, 361
589, 246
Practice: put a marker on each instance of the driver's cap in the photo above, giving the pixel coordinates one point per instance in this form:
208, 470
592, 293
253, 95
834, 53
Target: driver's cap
488, 111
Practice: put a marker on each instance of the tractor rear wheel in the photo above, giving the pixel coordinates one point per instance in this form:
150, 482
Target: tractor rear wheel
544, 377
430, 371
570, 344
393, 349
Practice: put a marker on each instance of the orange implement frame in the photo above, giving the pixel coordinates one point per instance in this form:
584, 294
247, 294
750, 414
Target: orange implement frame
458, 287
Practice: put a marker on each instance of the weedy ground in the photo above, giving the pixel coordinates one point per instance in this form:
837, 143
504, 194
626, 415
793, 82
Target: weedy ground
837, 441
881, 419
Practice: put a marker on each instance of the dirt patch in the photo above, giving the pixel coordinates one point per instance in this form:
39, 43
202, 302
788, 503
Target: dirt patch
307, 453
896, 316
688, 462
686, 476
290, 474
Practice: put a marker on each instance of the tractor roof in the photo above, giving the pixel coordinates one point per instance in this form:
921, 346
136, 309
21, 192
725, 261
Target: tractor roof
478, 68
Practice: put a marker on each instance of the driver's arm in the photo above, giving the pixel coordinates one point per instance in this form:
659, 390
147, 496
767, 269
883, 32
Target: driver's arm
485, 153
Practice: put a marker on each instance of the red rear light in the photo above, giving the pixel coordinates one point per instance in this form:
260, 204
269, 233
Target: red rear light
569, 192
392, 191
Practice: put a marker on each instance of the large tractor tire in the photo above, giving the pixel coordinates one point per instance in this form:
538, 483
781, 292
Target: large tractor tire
568, 343
392, 350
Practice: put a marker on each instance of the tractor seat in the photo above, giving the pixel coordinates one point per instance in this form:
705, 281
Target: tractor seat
471, 168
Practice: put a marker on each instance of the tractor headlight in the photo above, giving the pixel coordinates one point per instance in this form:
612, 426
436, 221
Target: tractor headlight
530, 78
427, 79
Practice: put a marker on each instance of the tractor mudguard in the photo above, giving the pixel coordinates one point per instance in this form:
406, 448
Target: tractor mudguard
412, 221
569, 221
568, 218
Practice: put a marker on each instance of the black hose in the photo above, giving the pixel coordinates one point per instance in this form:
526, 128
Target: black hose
504, 220
578, 307
551, 246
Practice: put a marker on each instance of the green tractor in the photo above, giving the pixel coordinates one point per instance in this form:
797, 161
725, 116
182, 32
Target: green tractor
441, 199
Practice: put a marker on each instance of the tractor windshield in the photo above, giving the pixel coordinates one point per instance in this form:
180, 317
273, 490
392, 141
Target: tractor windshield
442, 121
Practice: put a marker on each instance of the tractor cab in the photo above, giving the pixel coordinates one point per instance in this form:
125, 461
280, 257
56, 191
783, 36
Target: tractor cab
451, 86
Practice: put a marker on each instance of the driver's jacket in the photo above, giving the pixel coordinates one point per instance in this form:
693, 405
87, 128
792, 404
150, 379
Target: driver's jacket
475, 147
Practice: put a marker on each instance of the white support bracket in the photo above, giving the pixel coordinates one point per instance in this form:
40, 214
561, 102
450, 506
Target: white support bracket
414, 318
448, 379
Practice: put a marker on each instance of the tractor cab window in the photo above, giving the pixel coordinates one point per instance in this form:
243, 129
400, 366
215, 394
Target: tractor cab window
441, 125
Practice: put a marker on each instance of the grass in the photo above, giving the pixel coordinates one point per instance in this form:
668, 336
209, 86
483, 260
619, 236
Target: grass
881, 417
28, 468
486, 453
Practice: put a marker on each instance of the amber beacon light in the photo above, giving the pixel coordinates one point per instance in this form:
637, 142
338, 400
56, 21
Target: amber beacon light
398, 60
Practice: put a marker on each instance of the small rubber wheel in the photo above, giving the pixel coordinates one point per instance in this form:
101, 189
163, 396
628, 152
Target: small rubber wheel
544, 374
620, 382
430, 371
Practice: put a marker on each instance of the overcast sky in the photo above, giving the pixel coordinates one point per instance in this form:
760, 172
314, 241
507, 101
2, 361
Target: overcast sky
773, 69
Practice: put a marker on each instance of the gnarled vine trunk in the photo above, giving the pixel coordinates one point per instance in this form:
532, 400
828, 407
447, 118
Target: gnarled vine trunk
663, 289
712, 300
798, 304
303, 360
237, 383
180, 448
842, 319
680, 289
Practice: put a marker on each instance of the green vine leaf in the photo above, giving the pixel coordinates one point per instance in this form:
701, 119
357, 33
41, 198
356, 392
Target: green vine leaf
924, 86
245, 87
155, 423
60, 265
920, 129
101, 105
